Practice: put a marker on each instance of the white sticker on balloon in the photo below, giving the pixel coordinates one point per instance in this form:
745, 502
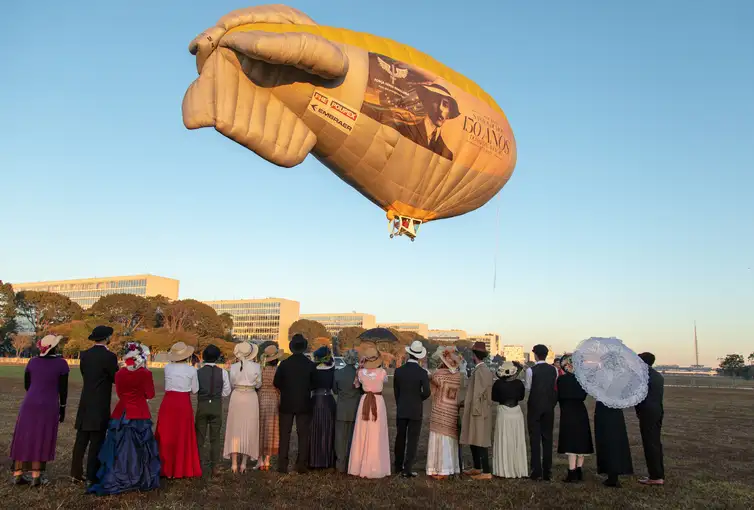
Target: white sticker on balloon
333, 111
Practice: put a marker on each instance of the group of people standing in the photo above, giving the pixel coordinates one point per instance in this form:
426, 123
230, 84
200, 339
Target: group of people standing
268, 394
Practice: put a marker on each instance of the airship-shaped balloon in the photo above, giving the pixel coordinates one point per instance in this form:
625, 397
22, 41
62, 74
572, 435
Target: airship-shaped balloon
416, 138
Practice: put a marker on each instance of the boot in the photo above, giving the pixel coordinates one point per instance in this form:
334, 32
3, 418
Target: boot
579, 474
612, 481
572, 476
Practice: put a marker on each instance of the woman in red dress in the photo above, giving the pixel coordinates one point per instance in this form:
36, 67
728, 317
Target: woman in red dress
176, 434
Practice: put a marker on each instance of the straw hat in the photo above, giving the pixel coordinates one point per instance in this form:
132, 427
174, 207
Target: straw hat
506, 369
245, 351
450, 358
48, 343
417, 349
271, 353
371, 358
179, 351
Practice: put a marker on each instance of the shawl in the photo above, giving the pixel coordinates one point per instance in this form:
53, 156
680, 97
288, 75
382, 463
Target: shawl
446, 390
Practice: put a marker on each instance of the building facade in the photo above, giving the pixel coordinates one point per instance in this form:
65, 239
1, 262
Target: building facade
87, 291
414, 327
334, 322
491, 341
514, 353
260, 319
446, 335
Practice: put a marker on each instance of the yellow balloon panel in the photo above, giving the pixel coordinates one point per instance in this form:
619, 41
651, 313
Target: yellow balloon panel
410, 134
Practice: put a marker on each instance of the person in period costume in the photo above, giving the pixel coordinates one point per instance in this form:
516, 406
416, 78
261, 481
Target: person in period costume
269, 404
347, 406
214, 386
611, 440
476, 428
42, 410
322, 441
176, 431
446, 383
575, 438
650, 413
129, 457
509, 453
98, 368
295, 380
242, 429
411, 388
370, 447
541, 382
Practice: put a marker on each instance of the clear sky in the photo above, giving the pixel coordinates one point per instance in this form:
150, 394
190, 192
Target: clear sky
630, 212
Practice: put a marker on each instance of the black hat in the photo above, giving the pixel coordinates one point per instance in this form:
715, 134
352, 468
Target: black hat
648, 358
298, 344
101, 333
211, 354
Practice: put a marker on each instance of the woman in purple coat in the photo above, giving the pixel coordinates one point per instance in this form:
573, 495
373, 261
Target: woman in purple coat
36, 433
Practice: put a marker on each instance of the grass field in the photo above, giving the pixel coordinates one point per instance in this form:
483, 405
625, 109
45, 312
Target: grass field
709, 458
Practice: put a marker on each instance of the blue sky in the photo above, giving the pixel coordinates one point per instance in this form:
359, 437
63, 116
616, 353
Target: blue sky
630, 212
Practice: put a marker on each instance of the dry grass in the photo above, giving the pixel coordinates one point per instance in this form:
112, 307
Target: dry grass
709, 445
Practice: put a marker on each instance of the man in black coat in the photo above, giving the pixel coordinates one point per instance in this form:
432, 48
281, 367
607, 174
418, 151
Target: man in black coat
98, 367
294, 378
650, 413
541, 381
411, 388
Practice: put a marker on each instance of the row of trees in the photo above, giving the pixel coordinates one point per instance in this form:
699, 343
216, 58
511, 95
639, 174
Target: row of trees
733, 365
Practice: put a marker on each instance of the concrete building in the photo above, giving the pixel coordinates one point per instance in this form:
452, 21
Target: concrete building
260, 319
491, 340
86, 291
514, 353
550, 355
446, 335
415, 327
334, 322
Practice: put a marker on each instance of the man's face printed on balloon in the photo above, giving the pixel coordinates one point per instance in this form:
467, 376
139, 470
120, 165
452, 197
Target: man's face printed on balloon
438, 109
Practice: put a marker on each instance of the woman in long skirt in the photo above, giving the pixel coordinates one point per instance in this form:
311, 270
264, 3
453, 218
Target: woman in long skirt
269, 404
242, 430
129, 458
370, 448
322, 435
442, 453
43, 408
175, 431
509, 450
575, 438
613, 449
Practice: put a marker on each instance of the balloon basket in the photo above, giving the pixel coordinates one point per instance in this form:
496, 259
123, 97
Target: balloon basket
404, 226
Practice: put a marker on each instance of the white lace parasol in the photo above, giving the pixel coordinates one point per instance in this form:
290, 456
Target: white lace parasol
611, 372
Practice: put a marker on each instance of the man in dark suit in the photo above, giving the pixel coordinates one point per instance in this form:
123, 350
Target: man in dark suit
348, 405
294, 378
650, 413
411, 387
439, 106
541, 381
98, 367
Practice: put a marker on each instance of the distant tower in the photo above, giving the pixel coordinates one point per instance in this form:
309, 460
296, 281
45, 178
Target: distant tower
696, 346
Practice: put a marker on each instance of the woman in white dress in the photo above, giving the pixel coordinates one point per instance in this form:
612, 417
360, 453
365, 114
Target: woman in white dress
242, 428
509, 452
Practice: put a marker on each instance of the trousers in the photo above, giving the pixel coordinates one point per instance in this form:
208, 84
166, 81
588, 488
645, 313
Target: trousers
303, 426
94, 440
405, 454
650, 425
209, 415
540, 424
481, 458
343, 437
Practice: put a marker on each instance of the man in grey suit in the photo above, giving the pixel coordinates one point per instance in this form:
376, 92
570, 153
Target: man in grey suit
348, 405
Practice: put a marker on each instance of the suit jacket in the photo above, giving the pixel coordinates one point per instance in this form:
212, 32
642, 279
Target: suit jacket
134, 388
348, 396
295, 380
98, 368
652, 406
418, 134
411, 388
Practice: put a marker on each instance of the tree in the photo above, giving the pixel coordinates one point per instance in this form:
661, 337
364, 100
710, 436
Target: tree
751, 358
20, 343
159, 302
7, 304
45, 309
348, 338
310, 329
130, 311
226, 322
193, 316
732, 364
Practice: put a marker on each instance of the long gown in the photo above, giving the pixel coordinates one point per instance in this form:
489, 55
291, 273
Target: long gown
442, 450
370, 448
613, 449
269, 417
242, 425
575, 436
322, 439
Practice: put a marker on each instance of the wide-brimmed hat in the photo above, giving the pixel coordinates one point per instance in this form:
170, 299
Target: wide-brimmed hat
101, 333
506, 369
323, 356
371, 358
298, 344
426, 91
479, 347
245, 350
450, 358
270, 353
48, 343
179, 351
416, 349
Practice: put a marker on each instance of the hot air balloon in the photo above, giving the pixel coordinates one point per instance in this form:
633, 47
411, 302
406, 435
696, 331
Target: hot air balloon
415, 137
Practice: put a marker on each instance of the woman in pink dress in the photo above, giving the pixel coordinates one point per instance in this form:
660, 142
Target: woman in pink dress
370, 449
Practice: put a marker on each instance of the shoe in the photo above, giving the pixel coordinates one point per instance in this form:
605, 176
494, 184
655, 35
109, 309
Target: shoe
39, 481
547, 477
439, 477
572, 476
472, 472
612, 483
21, 479
411, 474
649, 481
482, 476
78, 479
579, 474
535, 477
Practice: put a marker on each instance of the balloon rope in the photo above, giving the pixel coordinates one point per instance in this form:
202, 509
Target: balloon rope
497, 246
